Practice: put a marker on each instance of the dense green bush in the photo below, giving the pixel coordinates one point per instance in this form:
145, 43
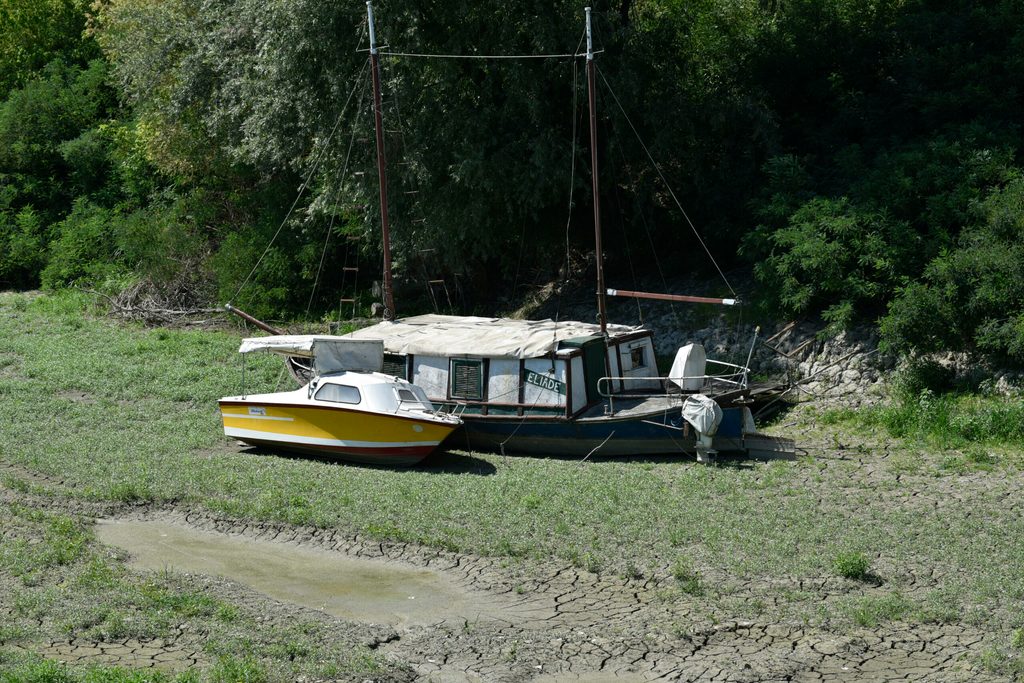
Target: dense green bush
49, 154
920, 375
165, 244
22, 247
851, 564
84, 249
58, 106
972, 297
833, 256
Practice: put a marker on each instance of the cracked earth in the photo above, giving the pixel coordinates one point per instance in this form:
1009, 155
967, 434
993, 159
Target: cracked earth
554, 622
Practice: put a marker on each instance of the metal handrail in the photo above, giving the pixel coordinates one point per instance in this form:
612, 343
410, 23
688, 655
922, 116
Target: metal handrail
456, 408
736, 378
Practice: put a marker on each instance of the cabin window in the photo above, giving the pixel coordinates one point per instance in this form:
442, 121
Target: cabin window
467, 379
338, 393
395, 364
408, 396
638, 358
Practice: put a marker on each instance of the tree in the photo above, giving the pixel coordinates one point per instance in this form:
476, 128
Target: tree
480, 151
971, 298
35, 32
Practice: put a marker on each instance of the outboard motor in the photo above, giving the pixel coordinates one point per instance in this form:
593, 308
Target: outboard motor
704, 415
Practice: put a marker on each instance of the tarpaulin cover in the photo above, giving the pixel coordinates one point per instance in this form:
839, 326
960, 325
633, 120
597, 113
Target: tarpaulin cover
703, 413
329, 353
448, 335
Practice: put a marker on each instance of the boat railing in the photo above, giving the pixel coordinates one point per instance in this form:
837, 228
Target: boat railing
456, 408
731, 377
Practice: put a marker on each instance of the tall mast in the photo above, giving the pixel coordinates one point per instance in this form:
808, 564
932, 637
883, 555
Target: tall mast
602, 312
389, 300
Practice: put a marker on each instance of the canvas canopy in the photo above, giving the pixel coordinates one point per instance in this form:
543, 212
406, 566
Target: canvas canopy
447, 335
329, 353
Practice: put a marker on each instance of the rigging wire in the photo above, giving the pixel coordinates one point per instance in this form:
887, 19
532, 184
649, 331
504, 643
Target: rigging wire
629, 252
337, 197
650, 241
417, 207
305, 183
572, 172
667, 186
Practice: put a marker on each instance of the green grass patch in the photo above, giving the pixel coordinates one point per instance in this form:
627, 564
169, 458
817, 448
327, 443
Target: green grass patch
851, 565
230, 669
945, 421
870, 611
1004, 662
58, 541
27, 668
687, 577
148, 430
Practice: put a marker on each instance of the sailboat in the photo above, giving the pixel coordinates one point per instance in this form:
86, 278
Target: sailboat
564, 388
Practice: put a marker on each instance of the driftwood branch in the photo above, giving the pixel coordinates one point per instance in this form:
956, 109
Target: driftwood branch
142, 302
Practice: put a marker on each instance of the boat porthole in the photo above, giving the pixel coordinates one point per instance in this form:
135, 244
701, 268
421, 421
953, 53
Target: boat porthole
417, 428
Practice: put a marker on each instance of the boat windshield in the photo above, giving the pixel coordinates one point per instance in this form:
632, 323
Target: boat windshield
338, 393
413, 398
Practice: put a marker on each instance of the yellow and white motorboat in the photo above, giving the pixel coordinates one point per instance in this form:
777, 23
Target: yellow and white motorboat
349, 410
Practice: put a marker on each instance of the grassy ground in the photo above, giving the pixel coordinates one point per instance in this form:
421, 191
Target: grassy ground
59, 585
122, 413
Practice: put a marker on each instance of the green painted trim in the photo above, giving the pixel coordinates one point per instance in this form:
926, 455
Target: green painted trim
456, 363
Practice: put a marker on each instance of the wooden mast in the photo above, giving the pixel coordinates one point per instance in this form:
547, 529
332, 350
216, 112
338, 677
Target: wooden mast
602, 312
389, 301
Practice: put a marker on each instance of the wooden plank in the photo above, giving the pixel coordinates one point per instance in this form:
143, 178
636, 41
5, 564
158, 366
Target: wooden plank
672, 297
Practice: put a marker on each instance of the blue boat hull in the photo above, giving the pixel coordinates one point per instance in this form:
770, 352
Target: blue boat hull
611, 436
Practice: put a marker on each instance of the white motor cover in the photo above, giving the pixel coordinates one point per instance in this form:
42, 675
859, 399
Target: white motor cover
689, 367
703, 413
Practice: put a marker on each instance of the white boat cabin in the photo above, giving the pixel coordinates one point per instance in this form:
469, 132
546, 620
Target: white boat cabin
497, 366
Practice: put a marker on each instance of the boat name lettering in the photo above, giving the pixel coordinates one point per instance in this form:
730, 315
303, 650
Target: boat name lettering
544, 382
254, 410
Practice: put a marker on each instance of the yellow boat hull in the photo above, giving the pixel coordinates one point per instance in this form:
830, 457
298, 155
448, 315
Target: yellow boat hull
335, 431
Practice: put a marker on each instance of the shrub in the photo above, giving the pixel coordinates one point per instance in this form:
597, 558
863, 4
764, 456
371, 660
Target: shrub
84, 249
851, 565
22, 242
834, 255
922, 374
971, 297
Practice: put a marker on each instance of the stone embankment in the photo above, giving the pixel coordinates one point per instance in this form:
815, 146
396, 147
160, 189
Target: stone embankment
846, 369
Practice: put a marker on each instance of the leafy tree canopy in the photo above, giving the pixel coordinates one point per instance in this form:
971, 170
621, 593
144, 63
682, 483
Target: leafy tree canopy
35, 32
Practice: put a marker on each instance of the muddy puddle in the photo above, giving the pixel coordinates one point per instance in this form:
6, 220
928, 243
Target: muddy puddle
374, 591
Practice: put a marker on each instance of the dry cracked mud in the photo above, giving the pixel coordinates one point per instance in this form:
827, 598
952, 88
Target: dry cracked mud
507, 621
